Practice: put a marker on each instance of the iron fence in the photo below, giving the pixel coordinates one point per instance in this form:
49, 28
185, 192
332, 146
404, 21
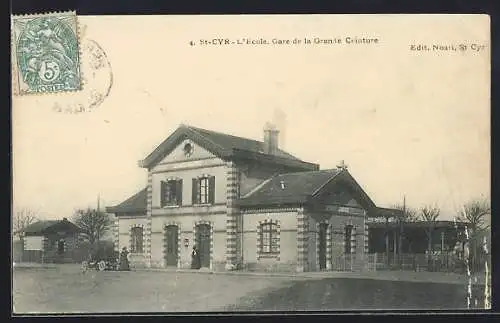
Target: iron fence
446, 262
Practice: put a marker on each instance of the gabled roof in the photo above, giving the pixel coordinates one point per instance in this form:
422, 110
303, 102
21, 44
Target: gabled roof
223, 146
298, 188
43, 226
40, 226
135, 204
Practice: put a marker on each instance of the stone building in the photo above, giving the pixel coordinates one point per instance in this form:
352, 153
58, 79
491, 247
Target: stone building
245, 204
51, 241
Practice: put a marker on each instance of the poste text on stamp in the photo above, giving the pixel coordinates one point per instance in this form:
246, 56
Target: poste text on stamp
46, 53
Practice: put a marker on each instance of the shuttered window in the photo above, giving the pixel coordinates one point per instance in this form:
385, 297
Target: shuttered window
203, 190
171, 192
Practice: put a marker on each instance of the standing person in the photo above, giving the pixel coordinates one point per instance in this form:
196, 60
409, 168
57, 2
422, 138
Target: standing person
195, 259
124, 265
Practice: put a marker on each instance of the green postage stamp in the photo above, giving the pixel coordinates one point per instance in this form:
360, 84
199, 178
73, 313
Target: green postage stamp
46, 53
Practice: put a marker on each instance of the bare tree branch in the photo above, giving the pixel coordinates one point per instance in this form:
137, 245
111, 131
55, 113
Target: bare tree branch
409, 214
474, 213
430, 215
93, 223
21, 219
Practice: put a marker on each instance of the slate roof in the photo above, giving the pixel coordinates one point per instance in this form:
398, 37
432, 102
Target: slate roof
224, 146
134, 204
234, 142
42, 226
297, 188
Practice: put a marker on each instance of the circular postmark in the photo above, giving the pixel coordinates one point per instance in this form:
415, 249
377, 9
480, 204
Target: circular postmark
97, 79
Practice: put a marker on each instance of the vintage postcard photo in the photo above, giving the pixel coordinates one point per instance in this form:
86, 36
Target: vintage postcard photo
248, 163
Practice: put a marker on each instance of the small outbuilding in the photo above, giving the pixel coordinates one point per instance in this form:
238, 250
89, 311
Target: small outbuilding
51, 241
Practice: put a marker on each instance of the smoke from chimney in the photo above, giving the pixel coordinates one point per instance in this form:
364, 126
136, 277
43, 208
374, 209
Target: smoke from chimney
279, 120
271, 134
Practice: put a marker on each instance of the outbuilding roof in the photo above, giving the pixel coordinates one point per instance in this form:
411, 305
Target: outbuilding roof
137, 203
418, 224
44, 226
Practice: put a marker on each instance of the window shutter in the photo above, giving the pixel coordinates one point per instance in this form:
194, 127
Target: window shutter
162, 193
178, 192
195, 191
211, 189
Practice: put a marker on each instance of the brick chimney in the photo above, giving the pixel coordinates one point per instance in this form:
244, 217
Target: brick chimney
270, 139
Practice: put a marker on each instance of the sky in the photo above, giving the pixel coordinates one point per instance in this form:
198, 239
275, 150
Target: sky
407, 123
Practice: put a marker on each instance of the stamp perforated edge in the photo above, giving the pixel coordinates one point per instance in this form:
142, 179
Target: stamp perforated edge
15, 75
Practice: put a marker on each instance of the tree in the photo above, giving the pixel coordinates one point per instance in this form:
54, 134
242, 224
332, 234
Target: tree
21, 219
93, 223
475, 214
429, 214
408, 214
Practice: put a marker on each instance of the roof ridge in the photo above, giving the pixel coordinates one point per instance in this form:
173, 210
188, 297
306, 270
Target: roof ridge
196, 130
327, 181
223, 133
308, 172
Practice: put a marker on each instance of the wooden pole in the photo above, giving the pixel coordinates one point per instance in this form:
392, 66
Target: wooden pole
442, 242
401, 231
394, 241
387, 239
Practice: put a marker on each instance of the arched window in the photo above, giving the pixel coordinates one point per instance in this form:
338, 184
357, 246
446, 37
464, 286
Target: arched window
269, 237
137, 240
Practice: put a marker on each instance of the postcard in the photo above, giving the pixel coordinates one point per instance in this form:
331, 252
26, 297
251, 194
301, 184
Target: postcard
248, 163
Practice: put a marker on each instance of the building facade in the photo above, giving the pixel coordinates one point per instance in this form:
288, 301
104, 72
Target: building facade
51, 241
245, 204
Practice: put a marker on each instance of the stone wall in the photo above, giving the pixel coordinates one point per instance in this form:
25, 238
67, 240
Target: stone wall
285, 259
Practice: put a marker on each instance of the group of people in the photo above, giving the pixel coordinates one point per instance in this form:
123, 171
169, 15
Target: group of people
124, 262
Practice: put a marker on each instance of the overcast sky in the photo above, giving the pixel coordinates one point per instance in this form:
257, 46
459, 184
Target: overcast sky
406, 123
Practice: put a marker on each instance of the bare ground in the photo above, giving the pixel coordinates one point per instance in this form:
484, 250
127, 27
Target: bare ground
65, 289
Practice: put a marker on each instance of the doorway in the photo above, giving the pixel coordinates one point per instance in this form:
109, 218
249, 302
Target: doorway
323, 227
172, 240
203, 243
60, 247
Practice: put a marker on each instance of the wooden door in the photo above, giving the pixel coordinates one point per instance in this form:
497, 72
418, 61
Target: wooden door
172, 239
322, 245
203, 243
